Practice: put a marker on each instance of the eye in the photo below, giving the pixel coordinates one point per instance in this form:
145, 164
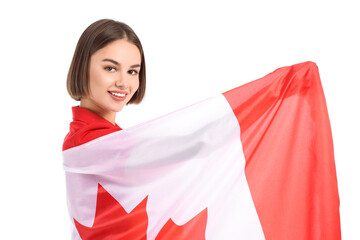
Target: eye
110, 69
133, 72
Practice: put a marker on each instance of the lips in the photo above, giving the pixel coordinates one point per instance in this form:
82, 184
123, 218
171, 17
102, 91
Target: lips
118, 95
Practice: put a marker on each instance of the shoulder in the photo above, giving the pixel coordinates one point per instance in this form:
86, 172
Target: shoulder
83, 130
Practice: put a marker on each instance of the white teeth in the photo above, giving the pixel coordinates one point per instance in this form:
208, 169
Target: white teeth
118, 94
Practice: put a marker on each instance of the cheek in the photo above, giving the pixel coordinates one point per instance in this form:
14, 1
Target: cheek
98, 82
136, 86
94, 86
93, 81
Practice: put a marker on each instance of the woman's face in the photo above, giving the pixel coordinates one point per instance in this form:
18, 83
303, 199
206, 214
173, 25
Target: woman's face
113, 78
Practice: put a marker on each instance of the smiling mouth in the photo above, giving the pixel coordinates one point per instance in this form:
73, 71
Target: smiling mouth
118, 94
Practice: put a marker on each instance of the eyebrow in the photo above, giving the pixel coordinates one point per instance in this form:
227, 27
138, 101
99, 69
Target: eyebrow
116, 63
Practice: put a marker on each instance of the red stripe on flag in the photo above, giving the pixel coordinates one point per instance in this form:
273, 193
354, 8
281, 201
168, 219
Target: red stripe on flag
287, 143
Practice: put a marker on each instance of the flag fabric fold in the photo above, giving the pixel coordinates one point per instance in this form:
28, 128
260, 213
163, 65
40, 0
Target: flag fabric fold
255, 162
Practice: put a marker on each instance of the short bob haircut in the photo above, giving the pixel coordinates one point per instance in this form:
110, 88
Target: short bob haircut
95, 37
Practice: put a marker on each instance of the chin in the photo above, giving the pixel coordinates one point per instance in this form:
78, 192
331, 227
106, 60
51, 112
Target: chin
118, 109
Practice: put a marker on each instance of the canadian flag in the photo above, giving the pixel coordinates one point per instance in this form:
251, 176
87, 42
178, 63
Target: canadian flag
255, 162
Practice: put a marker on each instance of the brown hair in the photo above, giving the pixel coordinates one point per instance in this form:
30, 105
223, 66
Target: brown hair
95, 37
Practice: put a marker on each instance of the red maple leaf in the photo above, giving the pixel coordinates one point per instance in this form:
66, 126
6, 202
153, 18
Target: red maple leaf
193, 229
113, 222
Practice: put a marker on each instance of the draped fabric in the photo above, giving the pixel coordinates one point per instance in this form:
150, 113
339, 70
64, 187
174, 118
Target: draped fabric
255, 162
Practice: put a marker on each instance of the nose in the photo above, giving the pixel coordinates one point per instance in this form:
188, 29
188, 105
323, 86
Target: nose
121, 81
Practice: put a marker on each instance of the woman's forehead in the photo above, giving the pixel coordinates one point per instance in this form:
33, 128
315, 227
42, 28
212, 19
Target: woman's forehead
121, 51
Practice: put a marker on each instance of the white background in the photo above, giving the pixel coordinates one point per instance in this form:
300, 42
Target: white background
193, 50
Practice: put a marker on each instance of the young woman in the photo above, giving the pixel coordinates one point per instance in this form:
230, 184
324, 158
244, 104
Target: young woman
107, 72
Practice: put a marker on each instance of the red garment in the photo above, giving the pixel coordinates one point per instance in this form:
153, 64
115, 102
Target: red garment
87, 126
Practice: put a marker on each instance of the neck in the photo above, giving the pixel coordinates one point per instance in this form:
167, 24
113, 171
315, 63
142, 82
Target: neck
109, 116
